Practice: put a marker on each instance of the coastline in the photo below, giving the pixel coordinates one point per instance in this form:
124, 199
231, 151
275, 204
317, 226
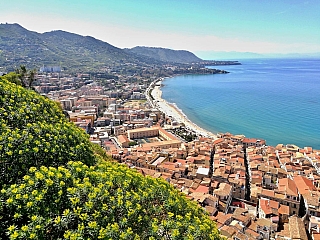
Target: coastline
300, 133
176, 114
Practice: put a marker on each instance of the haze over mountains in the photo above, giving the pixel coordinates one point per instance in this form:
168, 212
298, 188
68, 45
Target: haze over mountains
21, 46
221, 55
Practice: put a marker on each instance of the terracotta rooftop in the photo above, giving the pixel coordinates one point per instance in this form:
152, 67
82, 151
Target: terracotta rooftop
288, 186
304, 185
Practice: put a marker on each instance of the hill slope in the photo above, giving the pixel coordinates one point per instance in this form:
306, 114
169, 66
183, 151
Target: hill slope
166, 55
19, 46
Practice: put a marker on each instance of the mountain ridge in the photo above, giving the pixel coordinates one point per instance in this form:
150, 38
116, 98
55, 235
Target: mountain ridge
165, 54
19, 46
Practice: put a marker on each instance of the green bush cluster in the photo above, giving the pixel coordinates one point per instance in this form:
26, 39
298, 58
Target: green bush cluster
55, 184
34, 132
105, 201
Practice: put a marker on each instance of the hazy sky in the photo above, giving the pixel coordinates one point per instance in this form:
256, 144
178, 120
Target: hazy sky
273, 26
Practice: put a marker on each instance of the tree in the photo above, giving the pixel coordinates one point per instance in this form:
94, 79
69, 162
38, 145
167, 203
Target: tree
26, 77
31, 77
22, 74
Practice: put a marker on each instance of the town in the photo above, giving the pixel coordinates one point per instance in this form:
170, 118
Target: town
251, 190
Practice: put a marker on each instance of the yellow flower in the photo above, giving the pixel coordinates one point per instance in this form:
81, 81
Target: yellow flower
49, 182
44, 169
39, 175
10, 200
57, 220
24, 228
11, 228
29, 204
74, 200
92, 224
84, 216
32, 236
89, 204
102, 233
66, 212
77, 210
81, 227
67, 234
9, 153
39, 198
15, 235
30, 182
15, 190
74, 236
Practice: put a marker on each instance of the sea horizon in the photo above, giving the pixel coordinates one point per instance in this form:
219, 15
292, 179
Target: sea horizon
275, 99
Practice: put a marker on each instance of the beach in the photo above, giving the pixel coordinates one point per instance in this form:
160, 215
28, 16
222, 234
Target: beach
176, 114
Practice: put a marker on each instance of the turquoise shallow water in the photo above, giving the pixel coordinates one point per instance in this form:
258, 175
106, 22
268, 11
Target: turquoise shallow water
273, 99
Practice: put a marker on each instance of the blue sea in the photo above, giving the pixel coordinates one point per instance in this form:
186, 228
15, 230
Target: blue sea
273, 99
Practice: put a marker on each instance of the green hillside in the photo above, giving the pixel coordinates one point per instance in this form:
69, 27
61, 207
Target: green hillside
166, 55
55, 184
20, 46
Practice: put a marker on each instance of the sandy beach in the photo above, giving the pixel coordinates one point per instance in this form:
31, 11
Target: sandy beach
170, 109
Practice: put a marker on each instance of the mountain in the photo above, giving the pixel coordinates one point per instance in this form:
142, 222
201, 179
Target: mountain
19, 46
166, 55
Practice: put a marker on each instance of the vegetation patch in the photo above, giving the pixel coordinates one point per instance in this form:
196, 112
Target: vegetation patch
106, 201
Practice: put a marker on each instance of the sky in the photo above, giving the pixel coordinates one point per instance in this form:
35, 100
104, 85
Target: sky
200, 26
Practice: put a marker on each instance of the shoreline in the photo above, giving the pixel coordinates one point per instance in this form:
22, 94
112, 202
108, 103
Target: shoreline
176, 114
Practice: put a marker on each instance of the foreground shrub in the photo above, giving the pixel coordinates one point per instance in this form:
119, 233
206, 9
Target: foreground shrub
106, 201
34, 132
19, 106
